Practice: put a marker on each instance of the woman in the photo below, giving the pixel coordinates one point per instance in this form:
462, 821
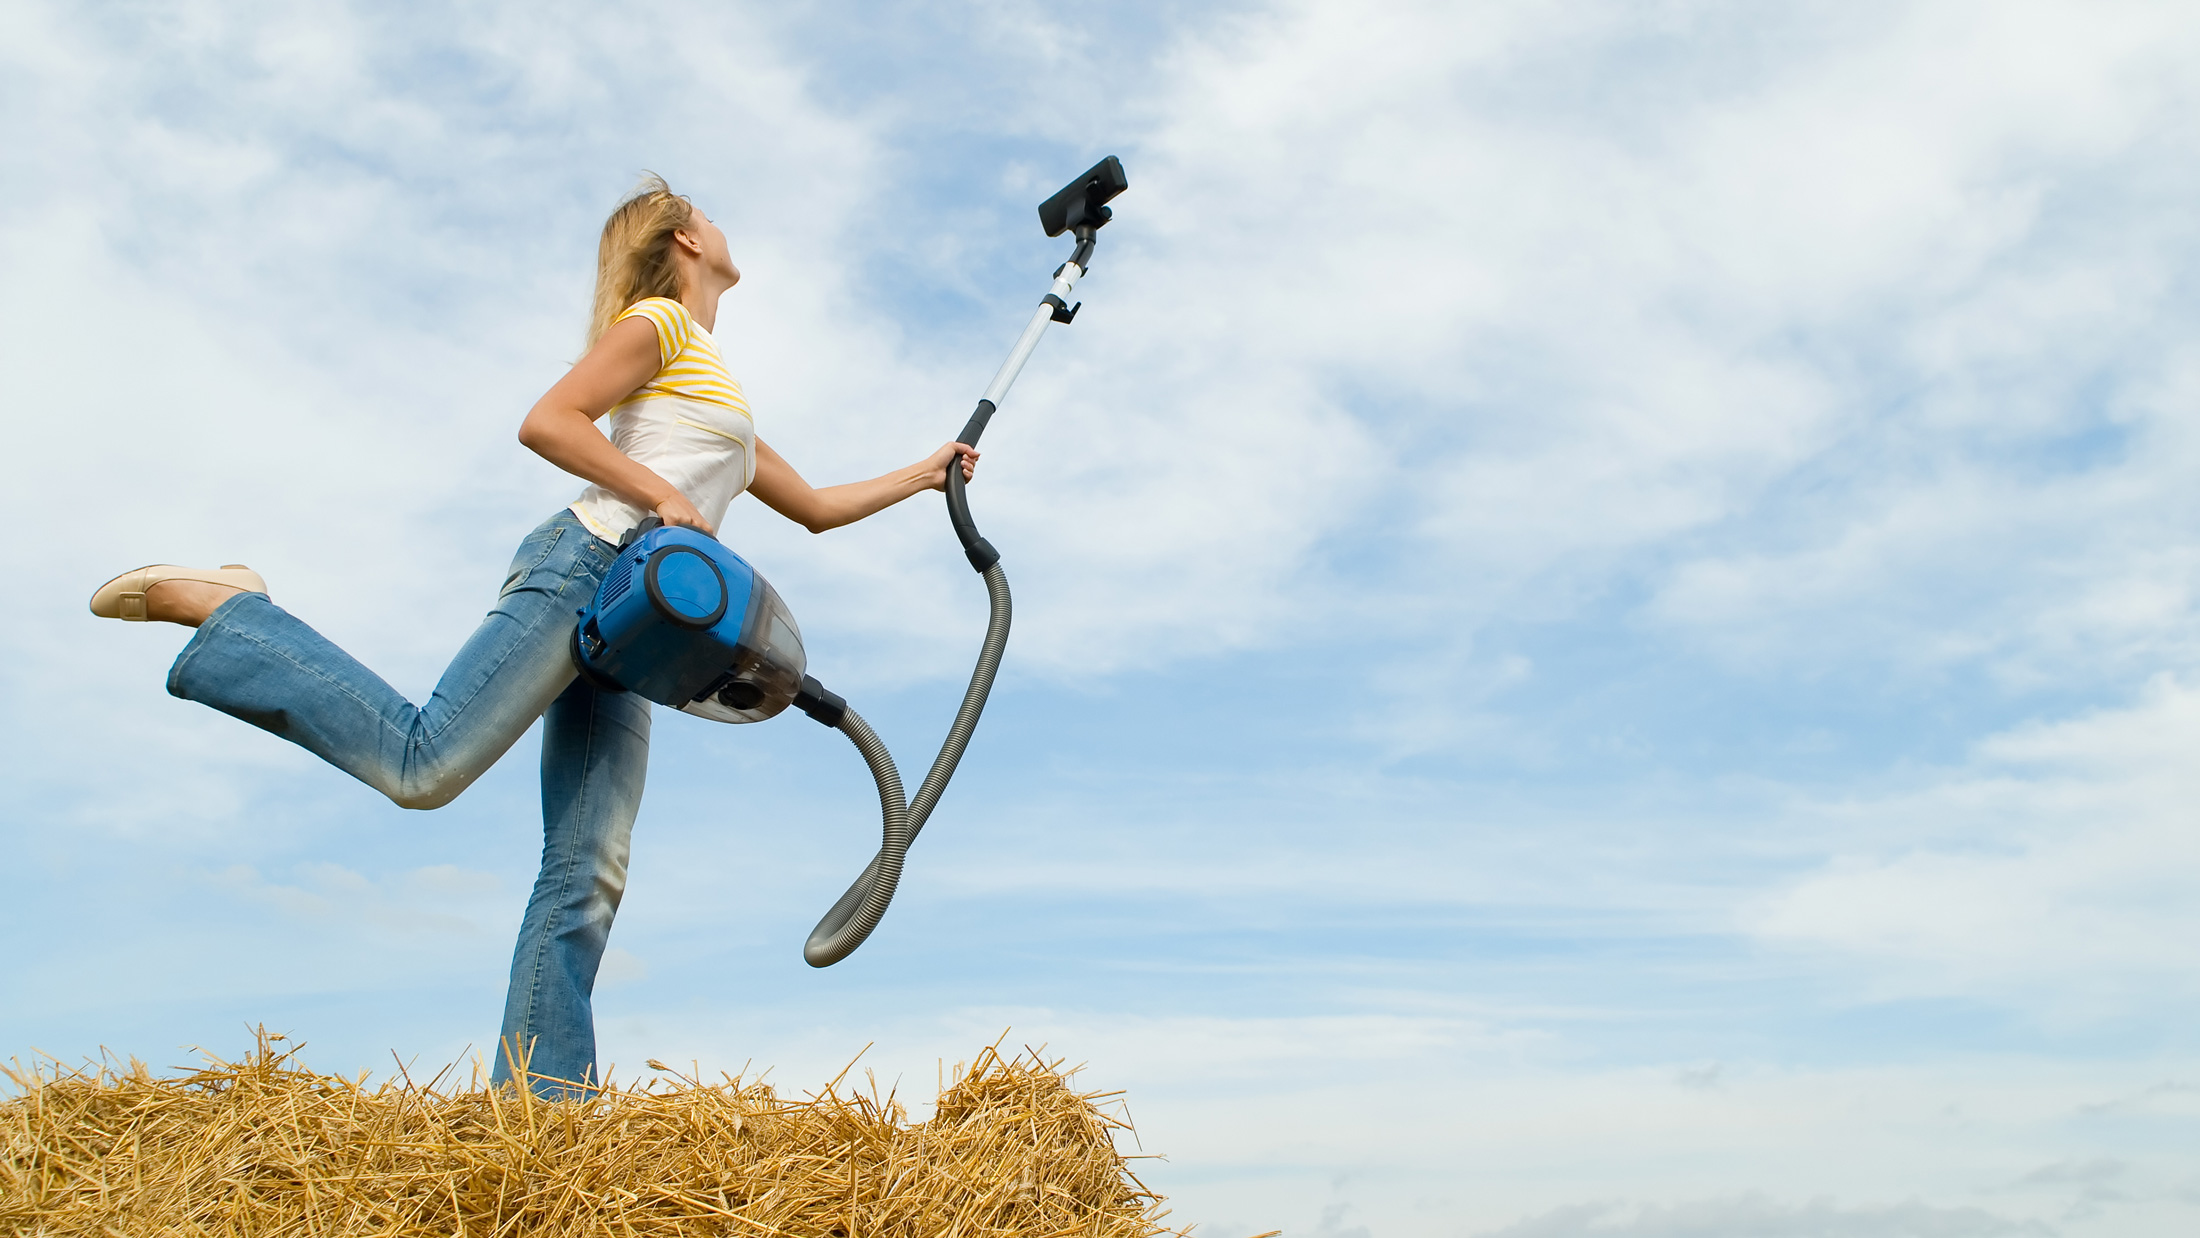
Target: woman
682, 445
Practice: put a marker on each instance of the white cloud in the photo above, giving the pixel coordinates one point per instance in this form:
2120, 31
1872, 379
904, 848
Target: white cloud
1569, 314
436, 901
2054, 872
1753, 1217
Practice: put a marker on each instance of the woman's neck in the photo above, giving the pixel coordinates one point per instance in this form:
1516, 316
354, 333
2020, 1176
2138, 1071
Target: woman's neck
702, 306
700, 288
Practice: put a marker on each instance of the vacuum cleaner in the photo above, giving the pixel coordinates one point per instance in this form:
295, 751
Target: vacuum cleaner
684, 621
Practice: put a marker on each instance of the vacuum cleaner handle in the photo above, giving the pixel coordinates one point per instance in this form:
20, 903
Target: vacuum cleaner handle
979, 551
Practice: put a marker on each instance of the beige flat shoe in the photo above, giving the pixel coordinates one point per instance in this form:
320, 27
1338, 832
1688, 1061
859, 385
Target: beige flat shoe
124, 596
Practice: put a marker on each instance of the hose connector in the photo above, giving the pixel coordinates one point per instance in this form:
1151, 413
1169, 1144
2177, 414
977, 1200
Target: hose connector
820, 703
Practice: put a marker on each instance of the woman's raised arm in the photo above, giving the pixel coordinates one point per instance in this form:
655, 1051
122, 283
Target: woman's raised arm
561, 427
783, 490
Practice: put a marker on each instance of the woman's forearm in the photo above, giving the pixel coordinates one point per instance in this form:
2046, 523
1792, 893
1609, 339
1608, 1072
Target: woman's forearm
833, 506
828, 507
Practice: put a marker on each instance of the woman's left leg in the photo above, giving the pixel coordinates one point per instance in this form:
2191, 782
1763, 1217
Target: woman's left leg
255, 661
595, 755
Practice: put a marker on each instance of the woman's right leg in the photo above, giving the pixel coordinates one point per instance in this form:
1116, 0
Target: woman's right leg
595, 754
255, 661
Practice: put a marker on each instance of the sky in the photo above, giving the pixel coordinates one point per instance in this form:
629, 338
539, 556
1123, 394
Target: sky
1608, 594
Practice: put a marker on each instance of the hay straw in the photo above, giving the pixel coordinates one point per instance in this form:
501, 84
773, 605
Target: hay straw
265, 1147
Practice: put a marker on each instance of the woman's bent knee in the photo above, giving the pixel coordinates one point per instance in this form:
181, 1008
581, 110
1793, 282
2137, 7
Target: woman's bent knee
421, 799
431, 789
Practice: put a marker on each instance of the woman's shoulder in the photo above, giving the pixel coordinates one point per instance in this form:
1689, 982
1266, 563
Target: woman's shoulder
675, 326
662, 309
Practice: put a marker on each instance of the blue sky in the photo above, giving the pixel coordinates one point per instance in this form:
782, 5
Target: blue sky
1608, 595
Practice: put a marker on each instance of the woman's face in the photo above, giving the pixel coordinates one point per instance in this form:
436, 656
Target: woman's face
712, 240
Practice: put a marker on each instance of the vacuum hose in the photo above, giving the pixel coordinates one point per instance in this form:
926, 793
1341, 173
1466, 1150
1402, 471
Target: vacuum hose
860, 909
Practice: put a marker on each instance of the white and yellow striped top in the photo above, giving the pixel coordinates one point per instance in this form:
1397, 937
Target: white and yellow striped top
689, 423
688, 362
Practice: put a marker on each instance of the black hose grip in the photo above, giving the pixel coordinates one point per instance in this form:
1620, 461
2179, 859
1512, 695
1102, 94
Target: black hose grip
976, 425
979, 551
820, 703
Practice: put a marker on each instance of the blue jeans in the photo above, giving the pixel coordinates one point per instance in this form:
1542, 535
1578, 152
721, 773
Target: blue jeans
252, 660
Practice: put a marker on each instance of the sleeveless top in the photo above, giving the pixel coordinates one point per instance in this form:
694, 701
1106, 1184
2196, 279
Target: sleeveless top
689, 424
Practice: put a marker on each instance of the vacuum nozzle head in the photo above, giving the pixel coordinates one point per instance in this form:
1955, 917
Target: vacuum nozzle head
1082, 204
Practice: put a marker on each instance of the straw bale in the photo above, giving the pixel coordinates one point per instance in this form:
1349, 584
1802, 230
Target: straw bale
264, 1146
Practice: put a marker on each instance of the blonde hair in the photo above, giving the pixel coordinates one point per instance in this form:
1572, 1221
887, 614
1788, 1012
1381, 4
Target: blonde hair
634, 259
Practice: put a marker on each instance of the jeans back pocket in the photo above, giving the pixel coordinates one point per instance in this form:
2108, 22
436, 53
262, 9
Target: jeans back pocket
534, 550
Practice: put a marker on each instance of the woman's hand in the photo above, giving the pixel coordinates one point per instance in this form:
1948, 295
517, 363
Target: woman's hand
936, 463
677, 510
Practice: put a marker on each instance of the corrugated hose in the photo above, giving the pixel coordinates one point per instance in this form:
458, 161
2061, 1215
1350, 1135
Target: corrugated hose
860, 909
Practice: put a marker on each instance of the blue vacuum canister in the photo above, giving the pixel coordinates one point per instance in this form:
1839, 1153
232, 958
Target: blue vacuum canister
683, 621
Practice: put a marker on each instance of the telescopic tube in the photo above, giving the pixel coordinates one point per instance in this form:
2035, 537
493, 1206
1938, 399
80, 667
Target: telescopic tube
1065, 282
